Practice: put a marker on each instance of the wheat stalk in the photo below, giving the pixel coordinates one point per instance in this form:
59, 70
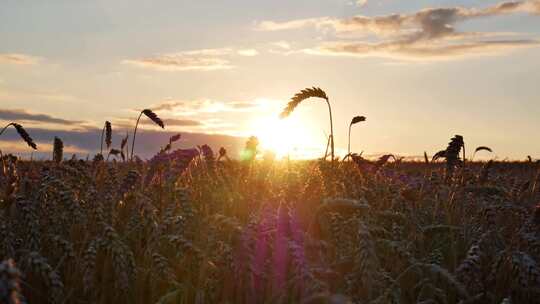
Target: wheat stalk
480, 148
305, 94
355, 120
107, 134
22, 133
153, 117
58, 150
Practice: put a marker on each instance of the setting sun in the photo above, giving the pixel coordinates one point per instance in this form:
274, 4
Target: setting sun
287, 137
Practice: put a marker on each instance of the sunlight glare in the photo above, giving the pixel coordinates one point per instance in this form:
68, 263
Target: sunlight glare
286, 137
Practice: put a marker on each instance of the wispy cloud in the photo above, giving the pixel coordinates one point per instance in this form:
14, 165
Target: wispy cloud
361, 3
21, 59
428, 33
195, 60
24, 116
269, 25
248, 52
417, 51
124, 123
179, 122
181, 63
193, 107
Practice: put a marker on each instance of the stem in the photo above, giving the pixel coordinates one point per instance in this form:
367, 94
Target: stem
9, 124
327, 145
463, 154
101, 141
349, 146
331, 130
127, 145
134, 134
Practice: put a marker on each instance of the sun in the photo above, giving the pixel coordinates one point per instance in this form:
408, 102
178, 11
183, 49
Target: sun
287, 137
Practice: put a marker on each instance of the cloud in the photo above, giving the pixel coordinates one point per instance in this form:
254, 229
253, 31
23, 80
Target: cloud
361, 3
248, 52
20, 147
181, 122
23, 116
181, 63
201, 60
420, 51
173, 122
88, 141
20, 59
196, 60
282, 45
170, 123
193, 107
428, 33
293, 24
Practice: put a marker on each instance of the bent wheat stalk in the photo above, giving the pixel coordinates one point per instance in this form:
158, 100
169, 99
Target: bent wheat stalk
355, 120
22, 133
153, 117
305, 94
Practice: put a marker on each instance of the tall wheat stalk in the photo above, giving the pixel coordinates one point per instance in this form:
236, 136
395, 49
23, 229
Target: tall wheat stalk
58, 150
355, 120
153, 117
107, 133
305, 94
22, 133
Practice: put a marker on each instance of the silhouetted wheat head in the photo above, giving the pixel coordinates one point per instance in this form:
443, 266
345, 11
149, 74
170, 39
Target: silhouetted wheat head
115, 152
454, 147
305, 94
58, 150
108, 134
436, 156
25, 136
175, 138
483, 148
357, 119
451, 154
172, 139
153, 117
301, 96
22, 133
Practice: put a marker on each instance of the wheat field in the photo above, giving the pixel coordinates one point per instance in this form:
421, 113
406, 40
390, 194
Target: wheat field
192, 226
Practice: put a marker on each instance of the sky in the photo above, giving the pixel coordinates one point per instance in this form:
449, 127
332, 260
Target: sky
220, 71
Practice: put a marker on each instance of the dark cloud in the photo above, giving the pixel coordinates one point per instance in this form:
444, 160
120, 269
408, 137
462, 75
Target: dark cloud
148, 142
22, 115
173, 122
